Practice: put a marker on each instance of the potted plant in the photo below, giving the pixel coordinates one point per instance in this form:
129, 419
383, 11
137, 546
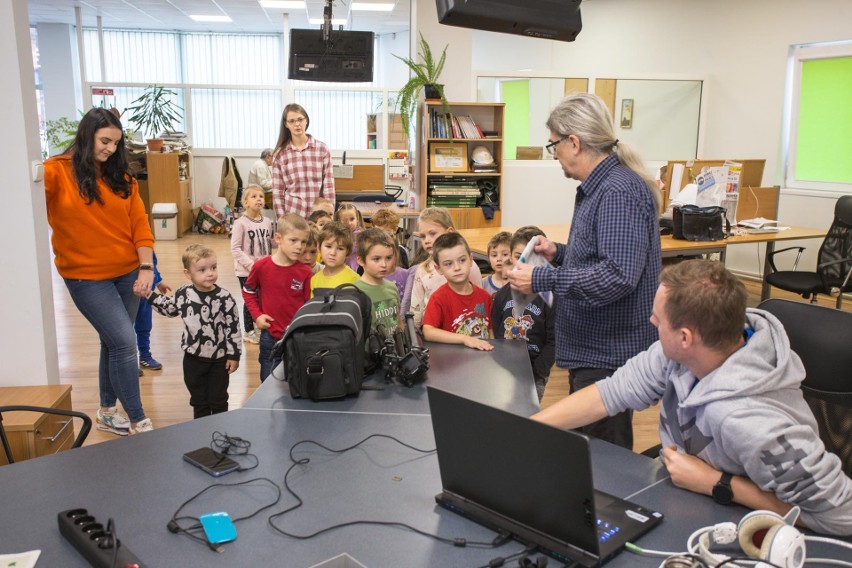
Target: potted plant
59, 134
424, 77
155, 112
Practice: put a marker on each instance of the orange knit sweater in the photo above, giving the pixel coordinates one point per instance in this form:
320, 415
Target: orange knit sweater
93, 242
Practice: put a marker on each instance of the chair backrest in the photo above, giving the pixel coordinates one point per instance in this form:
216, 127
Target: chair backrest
822, 337
838, 242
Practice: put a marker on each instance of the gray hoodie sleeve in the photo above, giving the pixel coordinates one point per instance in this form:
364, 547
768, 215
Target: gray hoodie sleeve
784, 457
638, 384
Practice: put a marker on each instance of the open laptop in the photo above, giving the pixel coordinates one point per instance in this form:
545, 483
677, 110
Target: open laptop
520, 476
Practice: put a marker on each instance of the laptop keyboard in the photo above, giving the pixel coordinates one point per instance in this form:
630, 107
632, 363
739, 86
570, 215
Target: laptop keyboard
606, 530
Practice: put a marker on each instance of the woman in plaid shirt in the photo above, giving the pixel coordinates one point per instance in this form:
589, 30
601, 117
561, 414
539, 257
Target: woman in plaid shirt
301, 169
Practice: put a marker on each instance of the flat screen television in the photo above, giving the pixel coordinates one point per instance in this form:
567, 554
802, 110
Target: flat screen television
548, 19
346, 58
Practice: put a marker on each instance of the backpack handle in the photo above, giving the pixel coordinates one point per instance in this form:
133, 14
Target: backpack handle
331, 296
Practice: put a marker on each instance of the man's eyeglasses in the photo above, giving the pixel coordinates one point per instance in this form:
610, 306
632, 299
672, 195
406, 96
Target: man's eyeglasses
295, 121
551, 147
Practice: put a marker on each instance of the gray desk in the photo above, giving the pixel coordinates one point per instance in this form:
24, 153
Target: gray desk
141, 480
500, 378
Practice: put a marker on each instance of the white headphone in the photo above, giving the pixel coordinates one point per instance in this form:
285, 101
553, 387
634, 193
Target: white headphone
762, 535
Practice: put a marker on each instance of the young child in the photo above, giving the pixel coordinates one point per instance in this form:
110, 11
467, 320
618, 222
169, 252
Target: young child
323, 204
251, 239
335, 247
309, 255
498, 251
350, 218
320, 218
277, 286
145, 323
211, 338
388, 221
459, 311
376, 253
423, 279
535, 325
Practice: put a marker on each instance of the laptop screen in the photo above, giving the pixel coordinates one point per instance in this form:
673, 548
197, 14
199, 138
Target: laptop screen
534, 474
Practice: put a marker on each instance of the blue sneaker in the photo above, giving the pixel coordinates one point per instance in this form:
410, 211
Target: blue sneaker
149, 362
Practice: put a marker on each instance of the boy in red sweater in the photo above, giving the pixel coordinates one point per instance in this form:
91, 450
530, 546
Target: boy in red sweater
277, 286
458, 312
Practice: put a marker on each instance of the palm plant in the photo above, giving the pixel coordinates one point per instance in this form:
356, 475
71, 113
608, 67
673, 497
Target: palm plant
155, 111
424, 76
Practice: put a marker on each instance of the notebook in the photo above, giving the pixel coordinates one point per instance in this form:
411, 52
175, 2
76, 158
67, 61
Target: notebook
513, 474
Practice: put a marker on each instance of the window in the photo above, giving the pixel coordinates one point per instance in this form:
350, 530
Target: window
231, 86
817, 141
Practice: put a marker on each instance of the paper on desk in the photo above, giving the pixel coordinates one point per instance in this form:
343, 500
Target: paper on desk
677, 179
758, 223
519, 299
21, 560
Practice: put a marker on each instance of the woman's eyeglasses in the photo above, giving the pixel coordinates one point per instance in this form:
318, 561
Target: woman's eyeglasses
295, 121
551, 148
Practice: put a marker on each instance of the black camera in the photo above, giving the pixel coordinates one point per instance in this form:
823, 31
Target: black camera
400, 353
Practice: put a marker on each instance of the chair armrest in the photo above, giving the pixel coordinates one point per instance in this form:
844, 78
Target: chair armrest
84, 431
771, 257
821, 271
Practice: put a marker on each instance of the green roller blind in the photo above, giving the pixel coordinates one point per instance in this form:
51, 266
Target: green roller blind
824, 142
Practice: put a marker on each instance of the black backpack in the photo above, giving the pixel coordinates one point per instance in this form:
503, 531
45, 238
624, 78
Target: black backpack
325, 344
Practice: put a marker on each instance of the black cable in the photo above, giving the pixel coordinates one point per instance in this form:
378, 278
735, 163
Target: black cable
233, 446
733, 559
174, 524
460, 542
501, 560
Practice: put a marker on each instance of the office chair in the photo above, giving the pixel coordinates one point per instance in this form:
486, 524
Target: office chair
78, 441
834, 263
822, 338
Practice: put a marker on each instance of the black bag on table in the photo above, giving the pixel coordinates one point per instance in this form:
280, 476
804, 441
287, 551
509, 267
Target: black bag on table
693, 223
324, 346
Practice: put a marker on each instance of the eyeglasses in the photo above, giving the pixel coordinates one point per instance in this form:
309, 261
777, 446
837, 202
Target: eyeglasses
295, 121
551, 148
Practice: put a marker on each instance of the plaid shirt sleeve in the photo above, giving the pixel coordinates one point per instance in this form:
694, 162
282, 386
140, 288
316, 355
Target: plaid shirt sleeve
327, 177
278, 186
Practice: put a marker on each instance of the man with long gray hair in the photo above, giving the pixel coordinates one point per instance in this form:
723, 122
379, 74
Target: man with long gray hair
606, 275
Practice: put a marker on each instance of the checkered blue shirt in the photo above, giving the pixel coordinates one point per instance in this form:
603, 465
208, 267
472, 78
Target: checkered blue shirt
300, 176
607, 274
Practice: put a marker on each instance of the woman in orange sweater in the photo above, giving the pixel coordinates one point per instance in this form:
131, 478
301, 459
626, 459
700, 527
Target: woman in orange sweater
104, 252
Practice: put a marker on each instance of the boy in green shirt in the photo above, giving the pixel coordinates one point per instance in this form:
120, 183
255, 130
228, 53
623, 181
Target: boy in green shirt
376, 255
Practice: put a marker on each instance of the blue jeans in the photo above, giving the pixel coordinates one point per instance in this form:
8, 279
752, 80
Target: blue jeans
267, 343
143, 324
110, 306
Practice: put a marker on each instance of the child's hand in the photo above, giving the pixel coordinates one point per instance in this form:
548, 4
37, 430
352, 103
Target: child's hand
476, 343
264, 322
164, 288
231, 365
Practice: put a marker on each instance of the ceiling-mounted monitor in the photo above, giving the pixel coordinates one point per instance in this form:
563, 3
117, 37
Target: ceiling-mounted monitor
549, 19
346, 57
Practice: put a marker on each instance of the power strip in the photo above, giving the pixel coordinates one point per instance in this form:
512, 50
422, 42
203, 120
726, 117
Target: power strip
91, 540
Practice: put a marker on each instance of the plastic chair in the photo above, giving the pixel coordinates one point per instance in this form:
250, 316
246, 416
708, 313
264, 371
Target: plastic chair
822, 338
834, 263
78, 441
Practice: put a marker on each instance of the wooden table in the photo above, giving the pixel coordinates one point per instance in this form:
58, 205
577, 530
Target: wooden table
408, 216
32, 434
478, 241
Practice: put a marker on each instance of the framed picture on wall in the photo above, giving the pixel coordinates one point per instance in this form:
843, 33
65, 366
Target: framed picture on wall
448, 157
626, 113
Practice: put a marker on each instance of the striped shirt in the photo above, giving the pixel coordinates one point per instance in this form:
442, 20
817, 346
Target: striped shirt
300, 176
607, 274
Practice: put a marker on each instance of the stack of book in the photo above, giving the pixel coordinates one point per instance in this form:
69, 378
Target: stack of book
452, 193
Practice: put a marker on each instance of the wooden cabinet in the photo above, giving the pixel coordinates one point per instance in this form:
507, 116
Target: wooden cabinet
170, 181
32, 434
396, 138
457, 135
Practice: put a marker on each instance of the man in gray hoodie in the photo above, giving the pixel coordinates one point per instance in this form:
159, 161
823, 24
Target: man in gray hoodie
733, 422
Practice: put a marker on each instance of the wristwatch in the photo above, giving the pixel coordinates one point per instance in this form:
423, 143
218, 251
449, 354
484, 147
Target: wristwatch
722, 492
146, 266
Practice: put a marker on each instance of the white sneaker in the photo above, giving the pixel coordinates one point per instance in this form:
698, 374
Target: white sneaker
142, 426
251, 337
113, 421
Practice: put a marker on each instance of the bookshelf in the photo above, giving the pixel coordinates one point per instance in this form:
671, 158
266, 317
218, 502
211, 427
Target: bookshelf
448, 176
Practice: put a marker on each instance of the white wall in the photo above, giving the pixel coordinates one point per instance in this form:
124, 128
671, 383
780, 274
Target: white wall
740, 48
27, 336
